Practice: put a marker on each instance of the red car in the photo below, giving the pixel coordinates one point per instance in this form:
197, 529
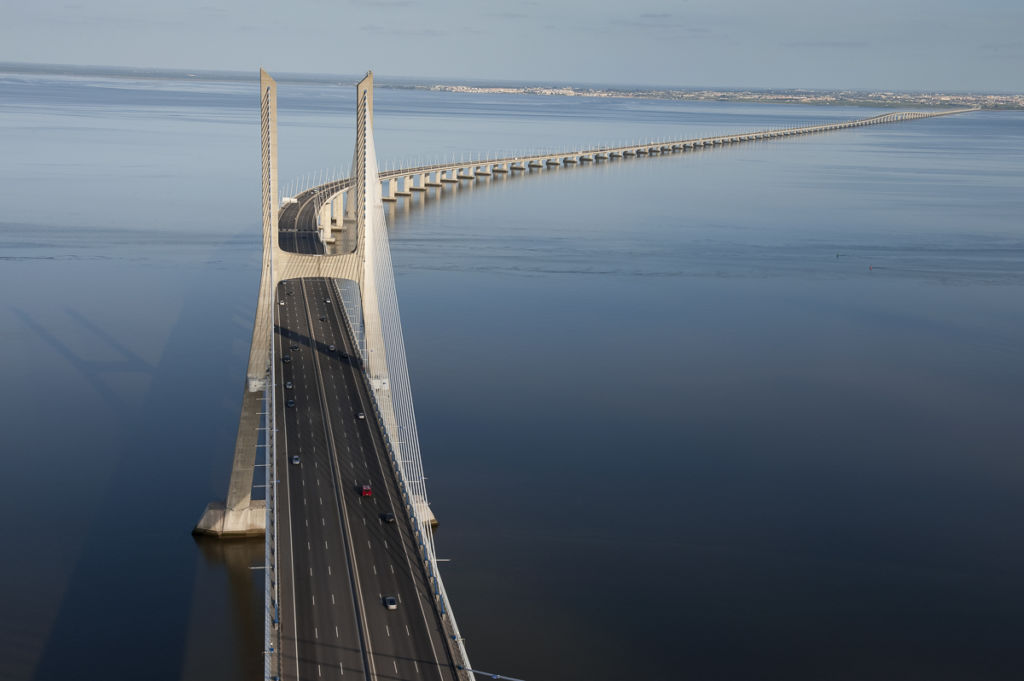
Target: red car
365, 491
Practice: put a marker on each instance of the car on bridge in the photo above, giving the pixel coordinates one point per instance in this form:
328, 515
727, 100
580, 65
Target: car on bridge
365, 491
388, 518
290, 403
295, 459
288, 385
361, 415
391, 603
286, 358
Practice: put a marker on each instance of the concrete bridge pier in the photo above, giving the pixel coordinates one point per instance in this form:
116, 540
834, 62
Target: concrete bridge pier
406, 189
239, 515
388, 193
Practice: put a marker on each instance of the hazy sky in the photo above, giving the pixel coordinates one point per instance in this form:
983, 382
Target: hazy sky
885, 44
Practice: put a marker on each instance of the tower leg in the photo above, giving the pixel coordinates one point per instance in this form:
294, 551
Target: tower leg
240, 516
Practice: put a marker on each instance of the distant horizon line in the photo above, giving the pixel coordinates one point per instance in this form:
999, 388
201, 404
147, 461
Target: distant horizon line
394, 81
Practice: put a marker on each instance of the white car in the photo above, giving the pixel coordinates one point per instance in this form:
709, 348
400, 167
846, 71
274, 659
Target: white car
391, 603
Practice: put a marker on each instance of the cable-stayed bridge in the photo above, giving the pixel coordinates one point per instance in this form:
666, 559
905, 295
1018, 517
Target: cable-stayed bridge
351, 578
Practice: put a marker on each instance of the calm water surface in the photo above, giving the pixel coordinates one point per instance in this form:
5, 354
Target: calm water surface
745, 413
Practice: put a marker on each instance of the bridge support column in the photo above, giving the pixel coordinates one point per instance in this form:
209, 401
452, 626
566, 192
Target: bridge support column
239, 515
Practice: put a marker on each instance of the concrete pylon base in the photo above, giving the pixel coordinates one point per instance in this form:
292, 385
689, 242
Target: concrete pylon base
218, 521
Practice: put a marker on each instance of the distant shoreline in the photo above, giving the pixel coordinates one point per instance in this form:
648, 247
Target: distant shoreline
780, 96
806, 96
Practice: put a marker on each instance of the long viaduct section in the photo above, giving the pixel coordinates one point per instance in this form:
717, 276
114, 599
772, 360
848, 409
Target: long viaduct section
326, 209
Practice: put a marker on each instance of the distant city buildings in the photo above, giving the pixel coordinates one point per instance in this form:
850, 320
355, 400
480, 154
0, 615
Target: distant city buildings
822, 97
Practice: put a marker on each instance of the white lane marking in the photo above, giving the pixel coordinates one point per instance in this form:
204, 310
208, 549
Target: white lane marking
323, 521
325, 544
364, 521
316, 633
407, 632
336, 636
374, 569
392, 568
385, 543
369, 544
332, 599
314, 603
320, 673
396, 665
342, 669
308, 547
307, 522
310, 572
417, 666
388, 629
321, 501
328, 569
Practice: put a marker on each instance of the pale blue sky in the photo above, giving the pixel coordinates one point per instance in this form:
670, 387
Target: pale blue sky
872, 44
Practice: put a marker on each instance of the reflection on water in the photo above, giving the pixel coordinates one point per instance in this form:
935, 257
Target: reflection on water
226, 625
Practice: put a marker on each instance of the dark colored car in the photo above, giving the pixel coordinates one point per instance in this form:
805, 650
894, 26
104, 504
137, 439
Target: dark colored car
290, 403
389, 518
286, 358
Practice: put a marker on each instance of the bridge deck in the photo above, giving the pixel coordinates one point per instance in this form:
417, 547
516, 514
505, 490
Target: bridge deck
338, 557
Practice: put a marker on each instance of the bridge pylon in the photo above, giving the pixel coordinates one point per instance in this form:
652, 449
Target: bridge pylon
240, 515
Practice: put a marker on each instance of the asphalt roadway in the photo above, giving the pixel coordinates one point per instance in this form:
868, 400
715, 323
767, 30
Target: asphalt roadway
339, 559
296, 225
